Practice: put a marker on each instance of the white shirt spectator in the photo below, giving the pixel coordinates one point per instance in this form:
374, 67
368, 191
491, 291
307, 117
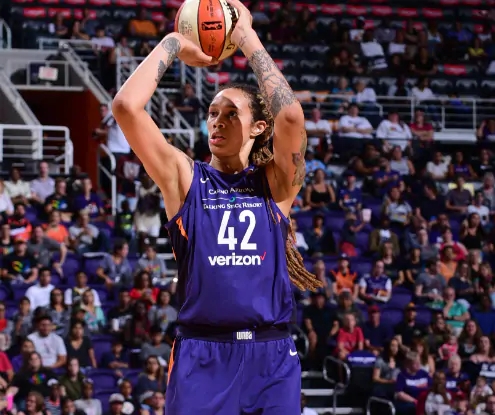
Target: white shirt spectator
438, 170
347, 121
309, 411
6, 203
43, 187
69, 292
39, 296
374, 51
396, 133
482, 211
366, 95
422, 95
103, 42
49, 347
301, 241
396, 48
311, 125
116, 141
19, 188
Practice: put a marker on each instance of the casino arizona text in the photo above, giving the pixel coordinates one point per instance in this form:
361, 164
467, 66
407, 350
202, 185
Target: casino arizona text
236, 260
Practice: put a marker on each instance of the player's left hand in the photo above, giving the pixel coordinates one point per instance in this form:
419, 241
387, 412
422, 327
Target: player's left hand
244, 24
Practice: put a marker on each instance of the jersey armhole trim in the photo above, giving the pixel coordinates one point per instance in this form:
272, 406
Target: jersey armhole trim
188, 199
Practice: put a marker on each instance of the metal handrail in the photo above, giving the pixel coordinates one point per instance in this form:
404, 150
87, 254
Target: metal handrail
11, 67
16, 99
44, 42
339, 387
38, 142
179, 131
5, 41
110, 174
380, 401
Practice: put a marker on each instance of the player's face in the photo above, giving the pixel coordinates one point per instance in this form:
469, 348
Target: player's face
231, 131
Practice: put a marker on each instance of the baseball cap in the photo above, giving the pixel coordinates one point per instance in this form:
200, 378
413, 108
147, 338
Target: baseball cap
52, 382
373, 309
344, 256
146, 395
411, 306
116, 398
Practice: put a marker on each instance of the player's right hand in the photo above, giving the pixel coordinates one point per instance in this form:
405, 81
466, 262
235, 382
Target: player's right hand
188, 52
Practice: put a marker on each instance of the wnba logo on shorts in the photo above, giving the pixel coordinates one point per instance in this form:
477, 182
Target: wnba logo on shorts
244, 335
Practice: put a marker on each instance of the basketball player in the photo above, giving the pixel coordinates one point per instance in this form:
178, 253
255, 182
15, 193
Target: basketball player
230, 232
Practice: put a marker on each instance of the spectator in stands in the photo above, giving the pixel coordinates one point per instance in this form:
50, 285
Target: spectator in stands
137, 329
73, 296
58, 311
455, 376
156, 347
143, 289
484, 353
486, 130
90, 201
188, 105
411, 268
438, 168
85, 237
469, 339
87, 403
43, 250
462, 284
397, 45
431, 205
472, 234
58, 28
77, 32
483, 314
152, 264
349, 234
304, 409
72, 381
386, 369
375, 287
152, 378
438, 399
88, 23
455, 312
376, 333
141, 26
48, 344
343, 278
368, 162
22, 384
485, 164
22, 320
394, 132
397, 210
43, 186
391, 264
300, 242
430, 283
401, 164
423, 64
110, 131
53, 400
59, 201
55, 230
421, 129
382, 234
162, 313
476, 52
460, 167
18, 190
350, 197
459, 249
422, 92
317, 129
101, 41
80, 346
426, 360
364, 94
39, 294
354, 126
319, 270
459, 198
147, 215
448, 263
19, 267
320, 324
345, 93
373, 52
349, 337
428, 250
128, 173
119, 314
117, 357
319, 195
385, 178
94, 316
115, 269
411, 382
6, 206
320, 239
343, 63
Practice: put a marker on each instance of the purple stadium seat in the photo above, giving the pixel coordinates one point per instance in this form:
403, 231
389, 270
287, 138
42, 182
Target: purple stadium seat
423, 316
330, 264
392, 316
19, 291
104, 378
4, 293
56, 279
71, 266
133, 262
362, 241
361, 266
400, 297
101, 346
103, 397
102, 293
31, 214
91, 264
334, 223
132, 375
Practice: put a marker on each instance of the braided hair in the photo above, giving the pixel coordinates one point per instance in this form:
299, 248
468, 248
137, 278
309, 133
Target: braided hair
260, 156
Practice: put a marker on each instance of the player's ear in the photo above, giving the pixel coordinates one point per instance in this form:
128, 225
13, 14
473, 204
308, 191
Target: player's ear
258, 128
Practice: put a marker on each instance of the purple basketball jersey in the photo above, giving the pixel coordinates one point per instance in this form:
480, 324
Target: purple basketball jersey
230, 252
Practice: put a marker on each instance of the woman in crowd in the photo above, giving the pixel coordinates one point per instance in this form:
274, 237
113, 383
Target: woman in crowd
485, 353
35, 405
162, 313
143, 289
94, 316
469, 339
426, 359
438, 399
319, 195
386, 370
58, 311
79, 346
152, 378
72, 380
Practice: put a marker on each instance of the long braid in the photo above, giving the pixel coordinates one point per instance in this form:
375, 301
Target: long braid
260, 156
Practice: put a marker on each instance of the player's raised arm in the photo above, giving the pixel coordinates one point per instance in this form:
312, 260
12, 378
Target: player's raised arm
169, 167
289, 140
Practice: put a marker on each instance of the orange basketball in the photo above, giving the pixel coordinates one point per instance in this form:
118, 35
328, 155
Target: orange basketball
209, 24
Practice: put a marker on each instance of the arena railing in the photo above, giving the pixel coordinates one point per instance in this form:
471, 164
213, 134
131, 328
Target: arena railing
339, 385
447, 113
110, 174
32, 68
37, 142
50, 43
181, 137
5, 35
374, 401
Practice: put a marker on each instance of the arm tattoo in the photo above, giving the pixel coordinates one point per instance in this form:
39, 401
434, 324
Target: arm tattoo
299, 163
273, 86
172, 47
190, 161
